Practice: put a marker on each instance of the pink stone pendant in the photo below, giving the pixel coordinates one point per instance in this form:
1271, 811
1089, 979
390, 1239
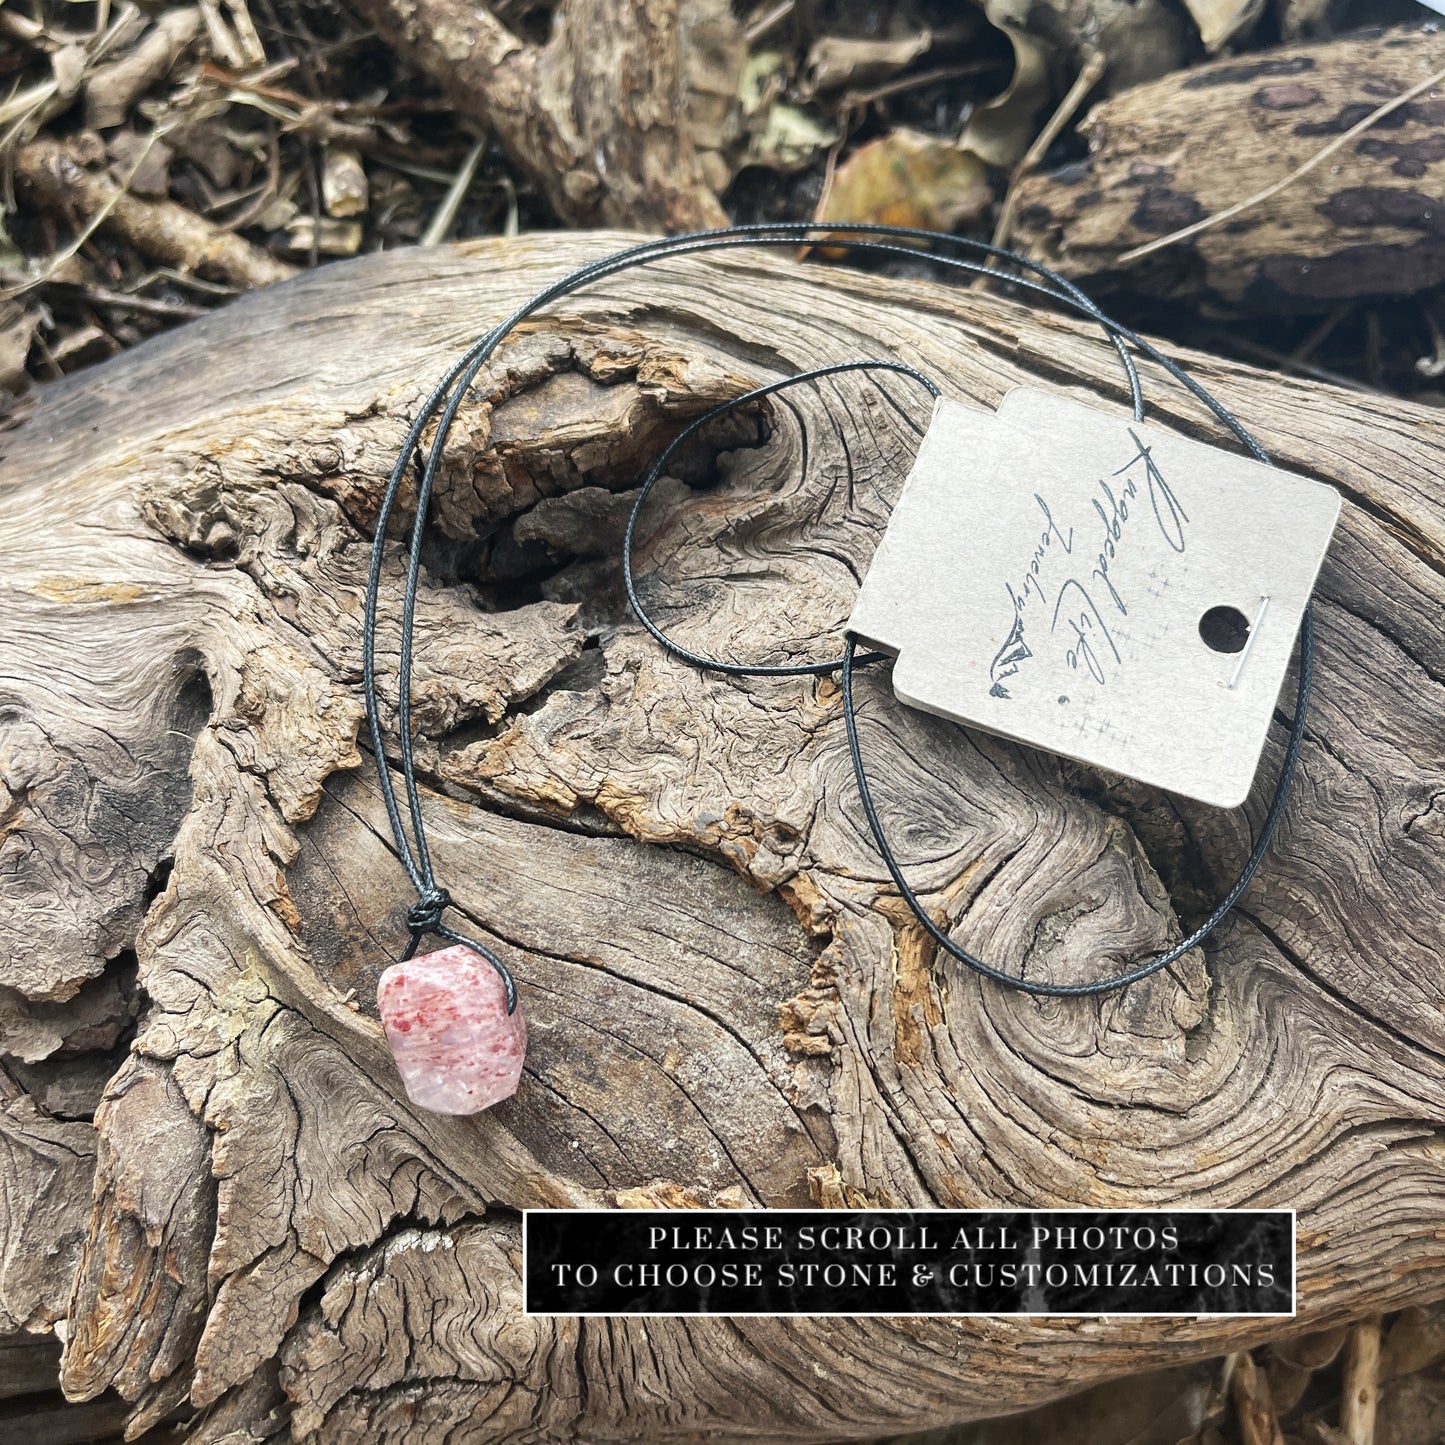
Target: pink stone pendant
456, 1047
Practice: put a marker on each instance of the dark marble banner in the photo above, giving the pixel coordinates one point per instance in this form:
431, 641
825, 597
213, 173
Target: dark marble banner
908, 1262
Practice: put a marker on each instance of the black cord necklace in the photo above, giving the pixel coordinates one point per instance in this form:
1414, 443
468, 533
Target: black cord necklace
442, 405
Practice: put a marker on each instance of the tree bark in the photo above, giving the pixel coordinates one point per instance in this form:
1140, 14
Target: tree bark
1163, 156
727, 1002
615, 120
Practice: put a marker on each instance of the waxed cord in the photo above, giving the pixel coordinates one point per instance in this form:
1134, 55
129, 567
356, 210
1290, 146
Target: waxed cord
426, 915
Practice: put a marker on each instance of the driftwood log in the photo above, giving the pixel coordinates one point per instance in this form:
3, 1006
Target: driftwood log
1366, 221
727, 1002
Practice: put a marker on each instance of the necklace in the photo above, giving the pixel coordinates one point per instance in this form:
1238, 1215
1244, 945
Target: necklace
452, 1016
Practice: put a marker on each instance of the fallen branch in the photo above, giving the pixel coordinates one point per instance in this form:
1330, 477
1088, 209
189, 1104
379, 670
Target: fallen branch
595, 117
1318, 159
54, 176
1332, 212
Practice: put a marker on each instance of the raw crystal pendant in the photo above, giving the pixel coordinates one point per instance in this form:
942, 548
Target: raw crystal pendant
456, 1047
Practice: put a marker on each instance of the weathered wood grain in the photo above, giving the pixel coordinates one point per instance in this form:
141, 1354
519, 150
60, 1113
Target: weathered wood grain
1163, 156
727, 1002
45, 1173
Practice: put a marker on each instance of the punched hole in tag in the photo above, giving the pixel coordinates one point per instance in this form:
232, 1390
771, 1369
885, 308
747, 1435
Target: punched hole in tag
1228, 631
1224, 629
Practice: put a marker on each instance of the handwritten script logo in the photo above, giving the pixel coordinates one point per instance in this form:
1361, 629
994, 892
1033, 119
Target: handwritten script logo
1067, 586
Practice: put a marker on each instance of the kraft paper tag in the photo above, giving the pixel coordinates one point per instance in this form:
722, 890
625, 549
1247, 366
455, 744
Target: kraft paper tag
1098, 587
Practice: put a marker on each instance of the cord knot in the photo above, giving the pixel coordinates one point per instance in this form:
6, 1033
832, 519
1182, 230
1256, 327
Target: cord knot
426, 913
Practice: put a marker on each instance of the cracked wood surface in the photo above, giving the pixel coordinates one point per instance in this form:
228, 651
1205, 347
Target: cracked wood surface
727, 1003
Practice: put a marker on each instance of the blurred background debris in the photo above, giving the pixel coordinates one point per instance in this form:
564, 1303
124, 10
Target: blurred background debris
156, 160
1379, 1382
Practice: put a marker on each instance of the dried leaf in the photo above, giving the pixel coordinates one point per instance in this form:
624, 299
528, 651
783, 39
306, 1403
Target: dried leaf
80, 347
67, 65
788, 138
1412, 1410
1287, 1382
205, 144
762, 80
907, 178
1219, 21
1139, 39
1313, 1351
999, 132
1415, 1341
1310, 19
142, 159
278, 214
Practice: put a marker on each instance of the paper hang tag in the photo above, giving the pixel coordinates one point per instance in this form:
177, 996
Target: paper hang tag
1098, 587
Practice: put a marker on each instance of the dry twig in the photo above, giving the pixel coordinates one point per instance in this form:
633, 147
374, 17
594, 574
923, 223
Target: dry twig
112, 89
161, 230
1090, 73
1253, 1405
446, 213
1360, 1389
